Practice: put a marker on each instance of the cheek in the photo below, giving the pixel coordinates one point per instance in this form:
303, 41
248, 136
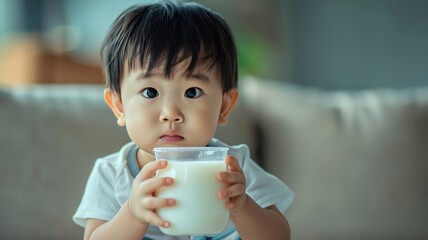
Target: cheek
140, 121
205, 124
209, 128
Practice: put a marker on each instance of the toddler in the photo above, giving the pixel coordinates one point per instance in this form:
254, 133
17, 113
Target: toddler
171, 72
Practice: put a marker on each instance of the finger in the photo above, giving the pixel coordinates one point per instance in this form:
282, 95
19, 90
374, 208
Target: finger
157, 202
233, 203
231, 177
232, 191
152, 184
149, 170
233, 164
155, 219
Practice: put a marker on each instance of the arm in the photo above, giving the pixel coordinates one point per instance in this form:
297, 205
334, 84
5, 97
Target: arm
122, 226
251, 220
255, 222
135, 216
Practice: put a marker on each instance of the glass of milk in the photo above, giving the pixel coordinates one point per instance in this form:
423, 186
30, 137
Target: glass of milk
198, 211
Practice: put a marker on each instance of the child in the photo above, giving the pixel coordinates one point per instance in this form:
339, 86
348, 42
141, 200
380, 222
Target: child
171, 72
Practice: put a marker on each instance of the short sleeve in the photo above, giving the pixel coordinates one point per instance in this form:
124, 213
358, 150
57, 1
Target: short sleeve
262, 187
98, 201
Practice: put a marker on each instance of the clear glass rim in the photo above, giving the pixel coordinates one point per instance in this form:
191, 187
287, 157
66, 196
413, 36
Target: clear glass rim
187, 149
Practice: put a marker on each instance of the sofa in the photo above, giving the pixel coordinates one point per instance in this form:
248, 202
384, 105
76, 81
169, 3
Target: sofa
357, 161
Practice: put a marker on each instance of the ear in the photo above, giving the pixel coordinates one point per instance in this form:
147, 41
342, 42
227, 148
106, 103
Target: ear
114, 101
229, 100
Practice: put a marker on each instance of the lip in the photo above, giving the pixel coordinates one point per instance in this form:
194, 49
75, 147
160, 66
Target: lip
172, 138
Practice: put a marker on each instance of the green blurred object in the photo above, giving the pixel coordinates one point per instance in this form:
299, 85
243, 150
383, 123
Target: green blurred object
253, 52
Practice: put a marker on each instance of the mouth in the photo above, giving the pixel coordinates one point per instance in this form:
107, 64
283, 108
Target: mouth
171, 138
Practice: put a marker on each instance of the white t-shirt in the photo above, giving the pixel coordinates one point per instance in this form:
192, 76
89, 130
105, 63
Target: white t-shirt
110, 182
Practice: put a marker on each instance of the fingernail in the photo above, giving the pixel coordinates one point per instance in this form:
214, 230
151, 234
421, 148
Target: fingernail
169, 181
170, 201
166, 224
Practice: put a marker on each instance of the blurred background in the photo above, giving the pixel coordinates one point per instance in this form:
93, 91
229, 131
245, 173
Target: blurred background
344, 121
332, 44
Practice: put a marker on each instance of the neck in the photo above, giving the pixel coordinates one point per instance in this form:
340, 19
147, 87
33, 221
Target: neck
144, 157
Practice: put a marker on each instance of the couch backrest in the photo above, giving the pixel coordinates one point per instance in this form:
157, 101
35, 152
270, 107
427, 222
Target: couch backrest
49, 140
357, 161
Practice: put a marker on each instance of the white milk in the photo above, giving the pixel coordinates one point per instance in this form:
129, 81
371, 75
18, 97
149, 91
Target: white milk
199, 211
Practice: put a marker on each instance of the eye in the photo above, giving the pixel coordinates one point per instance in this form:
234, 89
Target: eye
149, 92
193, 92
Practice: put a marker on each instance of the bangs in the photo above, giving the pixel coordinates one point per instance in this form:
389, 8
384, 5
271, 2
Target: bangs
171, 39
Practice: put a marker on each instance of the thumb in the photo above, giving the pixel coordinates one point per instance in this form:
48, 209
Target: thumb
233, 164
149, 170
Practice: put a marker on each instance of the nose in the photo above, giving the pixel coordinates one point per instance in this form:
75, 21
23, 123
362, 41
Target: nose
171, 113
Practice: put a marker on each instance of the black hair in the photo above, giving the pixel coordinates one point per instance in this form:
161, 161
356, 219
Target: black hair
167, 33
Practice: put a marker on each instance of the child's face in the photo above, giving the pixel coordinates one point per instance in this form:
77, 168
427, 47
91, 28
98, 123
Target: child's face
179, 111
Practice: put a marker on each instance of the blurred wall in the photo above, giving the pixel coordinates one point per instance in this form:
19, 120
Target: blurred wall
93, 19
357, 44
332, 44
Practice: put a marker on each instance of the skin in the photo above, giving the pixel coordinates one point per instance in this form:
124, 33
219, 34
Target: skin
178, 112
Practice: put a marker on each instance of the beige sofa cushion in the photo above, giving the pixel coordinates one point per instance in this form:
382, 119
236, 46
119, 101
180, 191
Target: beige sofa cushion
357, 161
50, 138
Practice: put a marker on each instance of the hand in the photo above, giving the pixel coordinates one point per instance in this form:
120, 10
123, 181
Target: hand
235, 182
142, 202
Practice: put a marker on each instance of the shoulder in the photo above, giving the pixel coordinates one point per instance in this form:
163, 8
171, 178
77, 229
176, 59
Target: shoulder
241, 151
108, 187
265, 188
113, 165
